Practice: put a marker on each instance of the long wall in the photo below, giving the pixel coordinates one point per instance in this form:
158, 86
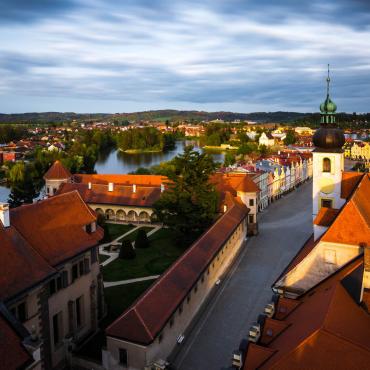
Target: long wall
138, 356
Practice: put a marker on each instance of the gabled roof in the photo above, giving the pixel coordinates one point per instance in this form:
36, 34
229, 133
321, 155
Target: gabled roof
327, 329
234, 182
355, 212
145, 319
349, 182
21, 265
13, 354
144, 196
57, 172
54, 227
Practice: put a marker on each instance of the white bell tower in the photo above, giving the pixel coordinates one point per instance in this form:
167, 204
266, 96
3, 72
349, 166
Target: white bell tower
328, 159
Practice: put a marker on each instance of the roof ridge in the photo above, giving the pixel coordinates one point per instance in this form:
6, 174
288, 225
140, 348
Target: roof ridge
143, 322
87, 207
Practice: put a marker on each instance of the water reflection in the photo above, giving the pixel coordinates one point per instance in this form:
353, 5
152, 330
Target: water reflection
119, 162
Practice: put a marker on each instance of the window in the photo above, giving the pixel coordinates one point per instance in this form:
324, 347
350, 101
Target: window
54, 191
123, 357
57, 328
93, 255
202, 279
326, 165
80, 268
79, 311
251, 202
20, 311
250, 219
196, 288
74, 272
326, 203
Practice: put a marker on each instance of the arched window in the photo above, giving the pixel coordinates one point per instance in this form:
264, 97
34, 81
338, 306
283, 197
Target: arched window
326, 165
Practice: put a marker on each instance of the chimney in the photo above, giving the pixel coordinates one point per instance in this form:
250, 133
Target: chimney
110, 186
134, 188
225, 208
162, 188
89, 185
4, 214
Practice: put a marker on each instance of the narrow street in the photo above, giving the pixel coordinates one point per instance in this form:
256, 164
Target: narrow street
284, 227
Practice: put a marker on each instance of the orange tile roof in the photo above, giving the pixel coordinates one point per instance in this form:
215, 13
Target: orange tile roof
234, 183
54, 226
355, 212
57, 172
13, 354
142, 180
349, 182
144, 320
21, 265
144, 196
326, 216
328, 329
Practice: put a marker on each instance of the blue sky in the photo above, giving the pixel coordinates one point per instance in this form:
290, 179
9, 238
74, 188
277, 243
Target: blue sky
132, 55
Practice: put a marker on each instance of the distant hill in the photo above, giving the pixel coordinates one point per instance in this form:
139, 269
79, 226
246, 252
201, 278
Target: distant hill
161, 115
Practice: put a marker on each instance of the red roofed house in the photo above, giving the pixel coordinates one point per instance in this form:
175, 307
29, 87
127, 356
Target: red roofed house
320, 316
50, 281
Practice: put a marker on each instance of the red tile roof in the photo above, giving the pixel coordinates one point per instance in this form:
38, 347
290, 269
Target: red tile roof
13, 354
328, 329
349, 182
140, 180
143, 321
57, 172
234, 182
326, 216
54, 227
144, 196
355, 212
21, 265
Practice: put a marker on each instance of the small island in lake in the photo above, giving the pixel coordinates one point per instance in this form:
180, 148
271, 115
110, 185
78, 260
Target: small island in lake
145, 140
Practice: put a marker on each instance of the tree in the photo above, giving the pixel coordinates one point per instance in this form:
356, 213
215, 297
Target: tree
23, 189
189, 204
141, 240
290, 138
127, 251
229, 159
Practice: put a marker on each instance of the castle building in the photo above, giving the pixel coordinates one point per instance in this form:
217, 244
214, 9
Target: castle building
319, 315
51, 289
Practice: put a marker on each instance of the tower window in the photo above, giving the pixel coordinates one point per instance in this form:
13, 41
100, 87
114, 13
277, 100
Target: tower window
326, 165
326, 203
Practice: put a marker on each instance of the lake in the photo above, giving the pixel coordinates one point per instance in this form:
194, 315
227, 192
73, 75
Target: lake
117, 162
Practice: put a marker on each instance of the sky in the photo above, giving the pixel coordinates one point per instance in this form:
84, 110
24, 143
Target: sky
231, 55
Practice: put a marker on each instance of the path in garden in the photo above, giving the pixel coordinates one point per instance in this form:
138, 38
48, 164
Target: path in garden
108, 284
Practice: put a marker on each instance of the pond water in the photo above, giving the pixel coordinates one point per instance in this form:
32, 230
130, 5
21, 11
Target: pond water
116, 162
119, 162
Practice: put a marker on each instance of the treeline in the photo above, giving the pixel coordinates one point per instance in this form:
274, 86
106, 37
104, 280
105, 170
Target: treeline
343, 120
80, 156
145, 139
12, 133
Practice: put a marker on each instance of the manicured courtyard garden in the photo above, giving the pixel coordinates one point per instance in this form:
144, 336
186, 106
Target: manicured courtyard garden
113, 231
161, 253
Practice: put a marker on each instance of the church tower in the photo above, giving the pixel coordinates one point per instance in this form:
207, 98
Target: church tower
328, 159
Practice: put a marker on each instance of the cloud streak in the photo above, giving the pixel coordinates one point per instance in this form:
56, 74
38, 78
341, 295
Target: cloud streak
224, 55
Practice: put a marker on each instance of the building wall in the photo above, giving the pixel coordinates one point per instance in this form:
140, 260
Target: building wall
163, 345
61, 301
52, 186
327, 185
130, 214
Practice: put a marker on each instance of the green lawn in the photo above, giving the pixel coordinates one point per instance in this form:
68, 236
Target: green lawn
118, 299
102, 258
115, 230
132, 236
162, 252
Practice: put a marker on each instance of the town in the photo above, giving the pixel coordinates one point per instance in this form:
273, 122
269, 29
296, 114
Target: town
184, 185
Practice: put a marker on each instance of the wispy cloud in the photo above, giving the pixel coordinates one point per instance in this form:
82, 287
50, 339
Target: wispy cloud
222, 54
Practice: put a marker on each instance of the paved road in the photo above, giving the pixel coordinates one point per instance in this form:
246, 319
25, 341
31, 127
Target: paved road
284, 227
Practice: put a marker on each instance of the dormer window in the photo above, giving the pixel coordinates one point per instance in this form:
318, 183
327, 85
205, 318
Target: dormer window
326, 165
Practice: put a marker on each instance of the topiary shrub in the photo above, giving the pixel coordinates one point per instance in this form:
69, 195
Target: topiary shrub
127, 251
142, 240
